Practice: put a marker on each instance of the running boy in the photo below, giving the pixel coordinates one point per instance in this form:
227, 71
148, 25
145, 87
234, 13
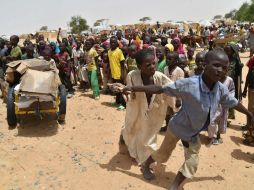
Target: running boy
203, 94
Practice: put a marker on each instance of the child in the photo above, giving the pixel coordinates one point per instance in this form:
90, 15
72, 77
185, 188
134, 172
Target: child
200, 62
130, 61
160, 54
91, 60
191, 60
174, 73
47, 55
145, 112
63, 64
201, 96
105, 71
219, 123
249, 87
16, 51
183, 64
29, 52
116, 62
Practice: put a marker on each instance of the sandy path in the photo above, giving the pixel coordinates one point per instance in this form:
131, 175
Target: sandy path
84, 154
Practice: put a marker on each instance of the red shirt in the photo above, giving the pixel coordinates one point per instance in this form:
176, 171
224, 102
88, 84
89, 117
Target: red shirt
63, 61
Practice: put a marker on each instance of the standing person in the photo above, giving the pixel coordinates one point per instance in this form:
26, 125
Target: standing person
15, 51
145, 112
91, 60
174, 73
63, 64
160, 54
130, 61
235, 72
178, 46
116, 61
78, 56
29, 52
219, 123
191, 60
3, 54
122, 42
105, 71
47, 55
251, 40
200, 62
206, 35
201, 93
249, 88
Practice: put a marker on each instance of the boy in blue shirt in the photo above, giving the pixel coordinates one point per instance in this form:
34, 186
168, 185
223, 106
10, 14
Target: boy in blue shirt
201, 96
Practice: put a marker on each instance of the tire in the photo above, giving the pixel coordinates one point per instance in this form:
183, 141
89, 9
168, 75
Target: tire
63, 102
11, 116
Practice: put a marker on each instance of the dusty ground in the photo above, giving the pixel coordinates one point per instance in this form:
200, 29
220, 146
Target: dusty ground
84, 154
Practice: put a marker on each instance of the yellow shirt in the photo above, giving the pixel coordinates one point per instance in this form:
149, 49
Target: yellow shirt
192, 64
115, 57
170, 47
90, 59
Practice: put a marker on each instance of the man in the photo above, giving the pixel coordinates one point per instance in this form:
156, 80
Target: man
201, 93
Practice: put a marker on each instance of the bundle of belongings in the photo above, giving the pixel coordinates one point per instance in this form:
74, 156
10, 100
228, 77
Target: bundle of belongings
36, 84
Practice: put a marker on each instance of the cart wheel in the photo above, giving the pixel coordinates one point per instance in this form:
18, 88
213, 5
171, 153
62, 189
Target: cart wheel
11, 116
63, 103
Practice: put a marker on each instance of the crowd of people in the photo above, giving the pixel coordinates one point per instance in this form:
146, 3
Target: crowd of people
155, 78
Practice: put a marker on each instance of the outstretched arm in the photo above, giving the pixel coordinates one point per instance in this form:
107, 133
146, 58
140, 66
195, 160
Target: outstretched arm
243, 110
151, 89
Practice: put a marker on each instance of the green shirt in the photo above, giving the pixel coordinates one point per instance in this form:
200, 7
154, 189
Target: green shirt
16, 52
161, 65
131, 64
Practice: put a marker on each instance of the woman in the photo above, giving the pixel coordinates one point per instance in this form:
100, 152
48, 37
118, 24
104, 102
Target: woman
178, 46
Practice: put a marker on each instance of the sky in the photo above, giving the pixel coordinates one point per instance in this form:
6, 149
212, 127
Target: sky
27, 16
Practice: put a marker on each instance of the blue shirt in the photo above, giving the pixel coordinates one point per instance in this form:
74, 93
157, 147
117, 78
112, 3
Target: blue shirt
199, 104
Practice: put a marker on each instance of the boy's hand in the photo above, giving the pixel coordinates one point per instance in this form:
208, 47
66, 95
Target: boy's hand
116, 87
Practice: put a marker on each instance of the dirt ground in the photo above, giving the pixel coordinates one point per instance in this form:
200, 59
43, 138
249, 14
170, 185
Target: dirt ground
84, 154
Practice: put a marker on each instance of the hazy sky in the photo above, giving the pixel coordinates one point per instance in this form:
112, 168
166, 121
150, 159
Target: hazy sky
25, 16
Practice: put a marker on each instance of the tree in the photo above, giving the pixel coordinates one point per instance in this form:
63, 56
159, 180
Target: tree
242, 12
145, 19
218, 17
78, 24
231, 14
250, 13
44, 28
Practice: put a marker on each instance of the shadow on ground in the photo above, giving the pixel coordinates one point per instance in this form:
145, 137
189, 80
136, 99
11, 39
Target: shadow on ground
122, 162
33, 126
245, 156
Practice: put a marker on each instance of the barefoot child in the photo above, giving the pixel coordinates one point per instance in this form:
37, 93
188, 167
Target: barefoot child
201, 96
